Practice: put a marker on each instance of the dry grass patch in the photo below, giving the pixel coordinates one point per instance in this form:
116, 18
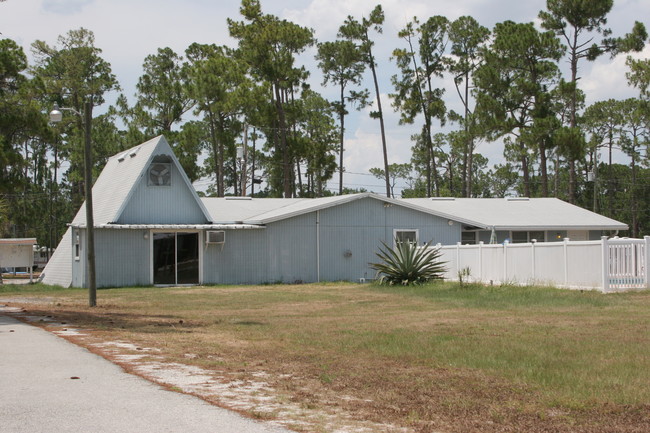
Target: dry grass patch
425, 359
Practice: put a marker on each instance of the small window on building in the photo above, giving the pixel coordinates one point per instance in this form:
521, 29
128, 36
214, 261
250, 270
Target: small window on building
405, 236
523, 237
77, 247
519, 237
468, 238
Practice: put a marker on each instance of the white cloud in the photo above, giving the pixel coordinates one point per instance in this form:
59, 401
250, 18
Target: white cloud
129, 30
65, 7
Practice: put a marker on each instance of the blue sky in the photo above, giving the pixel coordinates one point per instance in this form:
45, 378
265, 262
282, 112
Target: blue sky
129, 30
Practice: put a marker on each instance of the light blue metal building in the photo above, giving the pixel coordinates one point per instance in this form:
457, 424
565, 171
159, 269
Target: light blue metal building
151, 228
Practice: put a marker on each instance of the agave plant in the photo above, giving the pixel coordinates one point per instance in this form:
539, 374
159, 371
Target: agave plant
407, 264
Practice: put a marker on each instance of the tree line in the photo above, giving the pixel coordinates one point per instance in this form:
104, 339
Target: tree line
212, 99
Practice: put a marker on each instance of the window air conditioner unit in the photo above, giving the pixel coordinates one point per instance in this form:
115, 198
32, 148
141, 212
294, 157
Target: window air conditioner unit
216, 237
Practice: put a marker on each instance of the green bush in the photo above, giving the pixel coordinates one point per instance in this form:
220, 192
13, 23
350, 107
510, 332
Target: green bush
407, 264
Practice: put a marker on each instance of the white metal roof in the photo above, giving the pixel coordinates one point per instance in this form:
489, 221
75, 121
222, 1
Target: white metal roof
118, 180
229, 210
486, 213
519, 213
267, 210
18, 241
58, 270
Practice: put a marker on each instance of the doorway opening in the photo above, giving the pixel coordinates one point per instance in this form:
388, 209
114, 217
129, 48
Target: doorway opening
175, 258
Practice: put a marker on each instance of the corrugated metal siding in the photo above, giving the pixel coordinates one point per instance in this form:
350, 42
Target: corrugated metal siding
58, 270
350, 234
292, 249
283, 252
122, 258
360, 227
173, 204
242, 259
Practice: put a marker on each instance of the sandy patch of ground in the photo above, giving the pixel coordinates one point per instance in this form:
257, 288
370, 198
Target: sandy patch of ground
255, 398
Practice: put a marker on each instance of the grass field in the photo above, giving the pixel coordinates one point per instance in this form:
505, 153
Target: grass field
430, 358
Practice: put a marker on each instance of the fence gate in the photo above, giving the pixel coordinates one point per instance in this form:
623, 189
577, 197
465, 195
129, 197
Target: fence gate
627, 264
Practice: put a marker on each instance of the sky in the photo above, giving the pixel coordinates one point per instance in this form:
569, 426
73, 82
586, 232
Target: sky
129, 30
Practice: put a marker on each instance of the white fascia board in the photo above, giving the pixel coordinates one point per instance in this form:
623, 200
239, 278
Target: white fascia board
561, 227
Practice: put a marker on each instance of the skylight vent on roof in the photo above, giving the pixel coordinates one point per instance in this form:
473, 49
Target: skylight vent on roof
442, 198
517, 199
232, 197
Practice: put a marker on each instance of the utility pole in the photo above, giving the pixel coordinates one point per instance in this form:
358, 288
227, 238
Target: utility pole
56, 116
90, 223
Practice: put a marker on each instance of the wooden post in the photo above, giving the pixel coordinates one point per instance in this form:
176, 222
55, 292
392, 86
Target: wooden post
90, 229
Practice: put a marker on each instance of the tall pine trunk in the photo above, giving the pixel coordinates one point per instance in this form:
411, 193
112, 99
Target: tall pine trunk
284, 148
381, 119
342, 134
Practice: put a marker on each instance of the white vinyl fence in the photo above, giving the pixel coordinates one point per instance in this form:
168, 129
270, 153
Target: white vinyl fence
608, 265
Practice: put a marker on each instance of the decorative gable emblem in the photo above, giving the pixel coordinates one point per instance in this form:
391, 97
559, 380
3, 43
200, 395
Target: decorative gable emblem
160, 174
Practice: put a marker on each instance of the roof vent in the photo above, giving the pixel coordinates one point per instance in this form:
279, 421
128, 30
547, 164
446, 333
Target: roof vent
234, 197
121, 157
517, 199
442, 198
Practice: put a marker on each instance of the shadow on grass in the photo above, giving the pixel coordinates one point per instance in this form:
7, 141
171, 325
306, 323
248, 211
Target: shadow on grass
132, 322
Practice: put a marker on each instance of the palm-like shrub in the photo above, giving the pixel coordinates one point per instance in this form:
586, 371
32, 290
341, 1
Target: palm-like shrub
407, 264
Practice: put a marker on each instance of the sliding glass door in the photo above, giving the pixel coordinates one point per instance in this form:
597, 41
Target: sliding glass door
175, 258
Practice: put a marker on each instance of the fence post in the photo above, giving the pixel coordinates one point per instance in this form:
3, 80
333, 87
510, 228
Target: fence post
566, 262
458, 268
646, 261
505, 262
532, 251
480, 261
438, 247
605, 255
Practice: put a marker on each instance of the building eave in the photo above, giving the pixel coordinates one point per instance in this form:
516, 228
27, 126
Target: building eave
559, 227
173, 226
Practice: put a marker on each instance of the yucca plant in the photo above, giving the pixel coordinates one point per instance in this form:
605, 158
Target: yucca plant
407, 264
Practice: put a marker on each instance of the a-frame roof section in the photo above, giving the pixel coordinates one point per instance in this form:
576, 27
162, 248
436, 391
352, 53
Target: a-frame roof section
118, 180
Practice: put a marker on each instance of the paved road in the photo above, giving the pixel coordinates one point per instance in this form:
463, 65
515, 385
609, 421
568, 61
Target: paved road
37, 393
